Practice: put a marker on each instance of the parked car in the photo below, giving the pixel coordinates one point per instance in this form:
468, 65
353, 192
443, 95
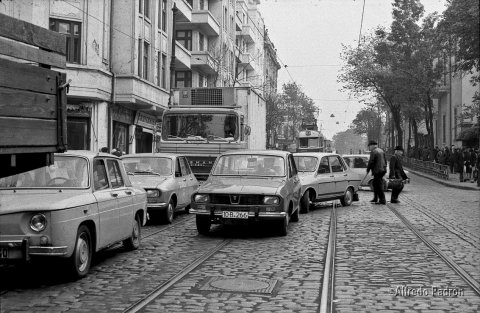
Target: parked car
324, 177
168, 180
82, 203
249, 186
358, 163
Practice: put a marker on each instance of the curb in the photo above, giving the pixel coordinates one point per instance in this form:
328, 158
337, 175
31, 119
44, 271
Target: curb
443, 182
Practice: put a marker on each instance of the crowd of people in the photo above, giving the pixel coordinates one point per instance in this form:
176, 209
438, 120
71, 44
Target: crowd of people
464, 161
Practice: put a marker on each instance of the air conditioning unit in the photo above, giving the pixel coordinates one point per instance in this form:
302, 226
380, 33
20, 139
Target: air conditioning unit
224, 96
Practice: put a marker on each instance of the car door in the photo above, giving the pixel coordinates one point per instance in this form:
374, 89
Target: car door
341, 177
325, 180
181, 180
124, 198
192, 183
107, 205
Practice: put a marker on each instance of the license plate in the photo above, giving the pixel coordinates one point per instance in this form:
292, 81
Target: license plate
234, 214
3, 253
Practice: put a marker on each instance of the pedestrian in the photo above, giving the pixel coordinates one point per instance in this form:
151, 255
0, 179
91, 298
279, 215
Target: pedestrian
441, 156
459, 163
104, 149
473, 162
378, 165
468, 166
397, 174
452, 160
446, 160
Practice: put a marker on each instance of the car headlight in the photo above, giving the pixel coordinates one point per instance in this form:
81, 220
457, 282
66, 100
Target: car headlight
201, 198
152, 193
271, 200
38, 222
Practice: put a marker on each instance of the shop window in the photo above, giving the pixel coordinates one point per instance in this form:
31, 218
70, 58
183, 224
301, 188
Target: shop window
78, 133
183, 79
72, 32
120, 136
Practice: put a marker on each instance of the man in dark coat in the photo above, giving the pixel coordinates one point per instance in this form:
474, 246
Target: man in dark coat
452, 160
397, 172
459, 163
378, 165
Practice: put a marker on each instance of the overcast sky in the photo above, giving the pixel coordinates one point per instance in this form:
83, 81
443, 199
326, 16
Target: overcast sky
309, 34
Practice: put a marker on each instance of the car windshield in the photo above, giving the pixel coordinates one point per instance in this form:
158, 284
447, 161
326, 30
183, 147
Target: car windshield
356, 161
306, 163
66, 172
148, 165
250, 165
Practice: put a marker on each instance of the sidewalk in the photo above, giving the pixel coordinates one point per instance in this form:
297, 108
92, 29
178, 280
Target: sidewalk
453, 180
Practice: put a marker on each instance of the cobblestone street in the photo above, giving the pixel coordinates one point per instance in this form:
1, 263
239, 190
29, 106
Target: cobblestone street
380, 264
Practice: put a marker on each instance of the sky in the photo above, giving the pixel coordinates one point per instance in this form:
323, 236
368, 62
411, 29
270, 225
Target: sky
309, 34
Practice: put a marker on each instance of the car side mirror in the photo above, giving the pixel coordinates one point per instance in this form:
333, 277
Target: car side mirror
248, 130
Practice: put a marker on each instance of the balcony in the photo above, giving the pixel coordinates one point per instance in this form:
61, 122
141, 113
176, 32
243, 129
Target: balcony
441, 90
182, 57
246, 59
247, 33
203, 61
238, 23
184, 14
205, 22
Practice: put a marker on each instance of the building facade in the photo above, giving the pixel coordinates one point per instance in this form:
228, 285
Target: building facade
119, 60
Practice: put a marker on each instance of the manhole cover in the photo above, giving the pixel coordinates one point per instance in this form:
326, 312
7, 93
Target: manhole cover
239, 285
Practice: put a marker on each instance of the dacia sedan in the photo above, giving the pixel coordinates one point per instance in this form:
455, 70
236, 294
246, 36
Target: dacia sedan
325, 176
80, 204
249, 186
168, 180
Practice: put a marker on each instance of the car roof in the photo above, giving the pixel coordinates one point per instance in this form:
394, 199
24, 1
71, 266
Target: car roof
356, 155
149, 155
85, 153
261, 152
315, 154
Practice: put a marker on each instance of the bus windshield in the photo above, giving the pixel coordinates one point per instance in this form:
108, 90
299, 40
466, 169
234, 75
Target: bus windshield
200, 126
309, 142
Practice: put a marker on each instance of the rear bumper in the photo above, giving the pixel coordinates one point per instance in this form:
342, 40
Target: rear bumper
21, 250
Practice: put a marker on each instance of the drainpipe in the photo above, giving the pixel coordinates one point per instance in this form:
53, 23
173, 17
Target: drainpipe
114, 81
172, 61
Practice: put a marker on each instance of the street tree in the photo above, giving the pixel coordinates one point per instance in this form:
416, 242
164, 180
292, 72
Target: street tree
348, 141
368, 122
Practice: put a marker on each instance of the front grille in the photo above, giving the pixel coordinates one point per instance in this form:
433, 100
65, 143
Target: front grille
242, 199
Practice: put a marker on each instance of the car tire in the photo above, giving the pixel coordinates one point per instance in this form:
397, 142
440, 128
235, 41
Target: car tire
203, 224
295, 215
305, 202
169, 212
81, 259
283, 226
133, 243
187, 209
347, 198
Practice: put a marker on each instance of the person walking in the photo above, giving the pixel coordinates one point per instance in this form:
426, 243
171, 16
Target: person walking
452, 160
397, 174
459, 163
473, 164
378, 165
468, 166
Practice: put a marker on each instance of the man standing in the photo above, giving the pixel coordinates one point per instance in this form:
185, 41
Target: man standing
378, 165
397, 172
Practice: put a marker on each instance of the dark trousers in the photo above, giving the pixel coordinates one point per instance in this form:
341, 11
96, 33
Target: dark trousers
378, 193
396, 192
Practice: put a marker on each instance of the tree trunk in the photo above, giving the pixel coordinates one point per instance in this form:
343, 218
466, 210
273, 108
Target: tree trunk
397, 120
409, 135
415, 132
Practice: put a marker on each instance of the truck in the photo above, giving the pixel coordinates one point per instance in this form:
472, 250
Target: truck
201, 123
32, 96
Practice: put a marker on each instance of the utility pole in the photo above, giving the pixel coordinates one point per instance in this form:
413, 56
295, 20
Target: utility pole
172, 61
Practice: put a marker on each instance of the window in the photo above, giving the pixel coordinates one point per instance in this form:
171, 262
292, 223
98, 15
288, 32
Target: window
114, 173
164, 71
72, 32
144, 8
201, 80
444, 128
146, 50
324, 167
183, 79
184, 37
139, 56
78, 133
188, 171
202, 5
164, 15
225, 19
201, 42
159, 69
100, 180
335, 164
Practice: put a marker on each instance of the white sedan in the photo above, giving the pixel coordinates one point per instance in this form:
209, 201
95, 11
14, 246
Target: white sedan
325, 176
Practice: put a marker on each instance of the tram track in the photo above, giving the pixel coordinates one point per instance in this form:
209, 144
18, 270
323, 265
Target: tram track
163, 287
175, 223
475, 285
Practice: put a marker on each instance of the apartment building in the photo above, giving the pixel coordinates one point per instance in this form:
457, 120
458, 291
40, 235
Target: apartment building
452, 96
119, 58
